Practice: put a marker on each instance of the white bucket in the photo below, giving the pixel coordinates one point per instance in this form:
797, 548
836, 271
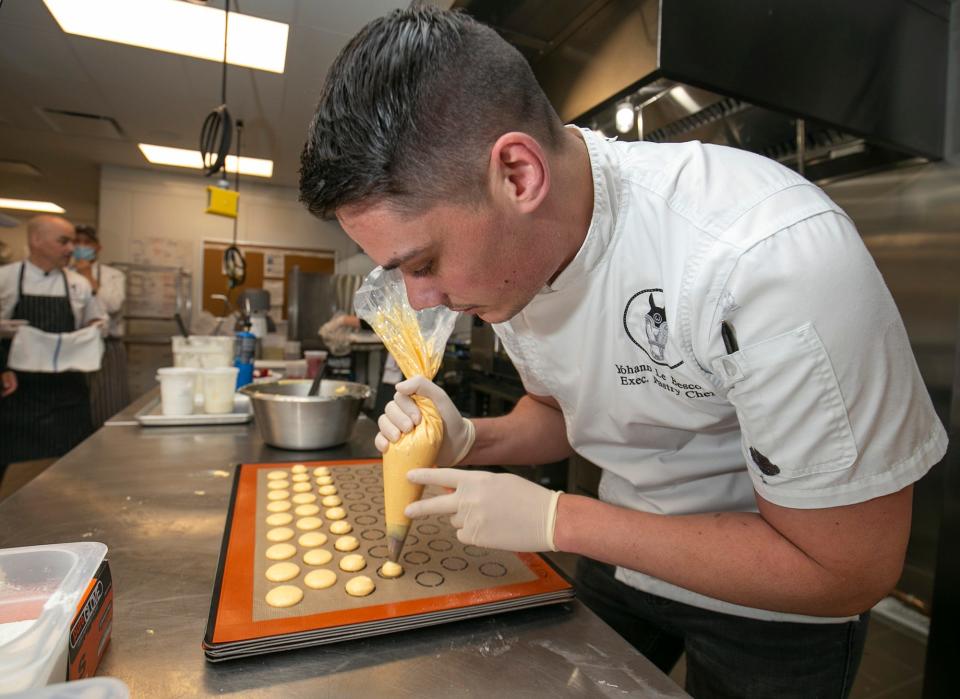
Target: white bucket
177, 385
219, 389
202, 352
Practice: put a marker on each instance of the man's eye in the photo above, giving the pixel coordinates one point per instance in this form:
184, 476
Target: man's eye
423, 271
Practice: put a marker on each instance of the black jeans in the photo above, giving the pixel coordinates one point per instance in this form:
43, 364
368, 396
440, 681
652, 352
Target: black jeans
728, 656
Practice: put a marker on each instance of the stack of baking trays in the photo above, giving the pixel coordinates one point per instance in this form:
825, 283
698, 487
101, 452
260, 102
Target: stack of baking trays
301, 562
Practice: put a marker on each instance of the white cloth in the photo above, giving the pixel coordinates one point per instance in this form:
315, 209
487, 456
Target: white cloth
627, 340
38, 351
111, 293
36, 282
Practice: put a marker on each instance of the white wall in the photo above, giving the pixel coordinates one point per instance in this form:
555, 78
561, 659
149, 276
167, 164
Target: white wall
143, 204
15, 242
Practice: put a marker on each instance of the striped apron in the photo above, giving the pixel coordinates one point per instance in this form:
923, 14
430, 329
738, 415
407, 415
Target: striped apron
48, 414
109, 387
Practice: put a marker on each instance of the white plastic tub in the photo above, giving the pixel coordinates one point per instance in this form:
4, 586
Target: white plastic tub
177, 390
219, 389
40, 587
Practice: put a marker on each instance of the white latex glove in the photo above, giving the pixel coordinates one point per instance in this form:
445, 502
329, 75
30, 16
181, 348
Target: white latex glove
402, 414
492, 510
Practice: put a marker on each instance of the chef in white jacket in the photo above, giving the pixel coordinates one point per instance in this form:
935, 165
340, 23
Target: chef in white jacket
45, 413
109, 389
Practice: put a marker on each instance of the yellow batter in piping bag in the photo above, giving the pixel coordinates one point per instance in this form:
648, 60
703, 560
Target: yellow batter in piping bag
416, 339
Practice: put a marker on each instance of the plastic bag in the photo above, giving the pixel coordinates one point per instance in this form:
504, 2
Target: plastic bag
416, 339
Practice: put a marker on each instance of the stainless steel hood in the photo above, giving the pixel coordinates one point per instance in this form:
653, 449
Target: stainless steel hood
832, 87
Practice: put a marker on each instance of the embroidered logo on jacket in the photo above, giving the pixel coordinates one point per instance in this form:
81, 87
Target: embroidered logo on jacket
645, 322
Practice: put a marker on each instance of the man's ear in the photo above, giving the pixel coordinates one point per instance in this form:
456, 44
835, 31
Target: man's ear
519, 173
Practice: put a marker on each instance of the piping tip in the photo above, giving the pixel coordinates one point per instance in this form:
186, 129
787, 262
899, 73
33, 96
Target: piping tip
394, 546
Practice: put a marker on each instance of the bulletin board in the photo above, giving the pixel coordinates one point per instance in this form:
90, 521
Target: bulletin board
268, 267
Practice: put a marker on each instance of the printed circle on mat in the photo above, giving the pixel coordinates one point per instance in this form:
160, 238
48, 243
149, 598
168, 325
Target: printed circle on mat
352, 563
359, 507
346, 543
355, 495
372, 534
278, 506
300, 478
369, 479
311, 539
304, 498
277, 485
366, 520
377, 499
345, 476
281, 552
429, 578
439, 545
350, 486
320, 579
284, 596
327, 490
378, 551
417, 558
301, 488
492, 569
360, 586
308, 524
278, 519
317, 557
306, 510
475, 551
279, 534
341, 526
428, 529
299, 468
276, 475
281, 572
411, 540
381, 511
278, 495
454, 563
373, 489
362, 471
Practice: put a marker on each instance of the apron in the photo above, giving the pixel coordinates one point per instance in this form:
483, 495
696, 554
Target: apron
48, 414
109, 390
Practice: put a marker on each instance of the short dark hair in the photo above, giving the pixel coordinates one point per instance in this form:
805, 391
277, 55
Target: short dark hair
410, 109
89, 231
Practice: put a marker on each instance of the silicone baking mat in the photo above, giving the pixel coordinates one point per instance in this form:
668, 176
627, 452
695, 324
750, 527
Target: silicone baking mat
443, 579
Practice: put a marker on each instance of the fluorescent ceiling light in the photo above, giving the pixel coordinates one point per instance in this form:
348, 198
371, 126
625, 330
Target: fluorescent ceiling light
27, 205
181, 157
176, 27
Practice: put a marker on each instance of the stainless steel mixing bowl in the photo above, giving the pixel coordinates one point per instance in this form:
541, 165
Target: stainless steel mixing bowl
290, 419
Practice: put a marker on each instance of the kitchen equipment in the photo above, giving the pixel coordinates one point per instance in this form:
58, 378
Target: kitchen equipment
219, 389
177, 390
151, 415
318, 377
55, 613
290, 419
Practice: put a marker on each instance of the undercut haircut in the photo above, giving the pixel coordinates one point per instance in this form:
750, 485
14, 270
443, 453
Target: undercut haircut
410, 110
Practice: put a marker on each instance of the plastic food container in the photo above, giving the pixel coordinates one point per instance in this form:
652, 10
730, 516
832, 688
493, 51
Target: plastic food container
177, 389
93, 688
315, 361
219, 389
56, 613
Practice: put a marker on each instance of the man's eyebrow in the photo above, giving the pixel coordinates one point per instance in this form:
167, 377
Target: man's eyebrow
395, 262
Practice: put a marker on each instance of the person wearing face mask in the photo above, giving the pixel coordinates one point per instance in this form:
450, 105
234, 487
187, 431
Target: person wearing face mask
44, 409
109, 388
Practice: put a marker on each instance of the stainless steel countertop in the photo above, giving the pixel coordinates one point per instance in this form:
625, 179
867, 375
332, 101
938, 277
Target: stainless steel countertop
158, 498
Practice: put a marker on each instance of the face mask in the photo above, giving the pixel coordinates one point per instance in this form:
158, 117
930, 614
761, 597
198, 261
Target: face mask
83, 252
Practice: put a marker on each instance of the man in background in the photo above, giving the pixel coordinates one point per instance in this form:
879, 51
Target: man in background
45, 414
109, 387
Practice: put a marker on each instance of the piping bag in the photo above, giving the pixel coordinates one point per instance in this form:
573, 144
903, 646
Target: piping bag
416, 339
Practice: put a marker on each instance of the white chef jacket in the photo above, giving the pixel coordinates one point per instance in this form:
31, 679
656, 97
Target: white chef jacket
112, 292
823, 404
36, 282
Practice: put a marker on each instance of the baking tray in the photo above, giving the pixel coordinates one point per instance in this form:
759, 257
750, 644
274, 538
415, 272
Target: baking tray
150, 415
443, 581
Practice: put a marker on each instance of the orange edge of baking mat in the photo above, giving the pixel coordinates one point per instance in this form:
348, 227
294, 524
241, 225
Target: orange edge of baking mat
234, 620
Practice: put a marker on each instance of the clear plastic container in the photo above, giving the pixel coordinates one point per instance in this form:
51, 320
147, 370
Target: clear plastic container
202, 352
219, 389
91, 688
177, 390
40, 587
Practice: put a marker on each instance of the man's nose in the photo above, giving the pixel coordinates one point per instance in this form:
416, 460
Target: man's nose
422, 293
